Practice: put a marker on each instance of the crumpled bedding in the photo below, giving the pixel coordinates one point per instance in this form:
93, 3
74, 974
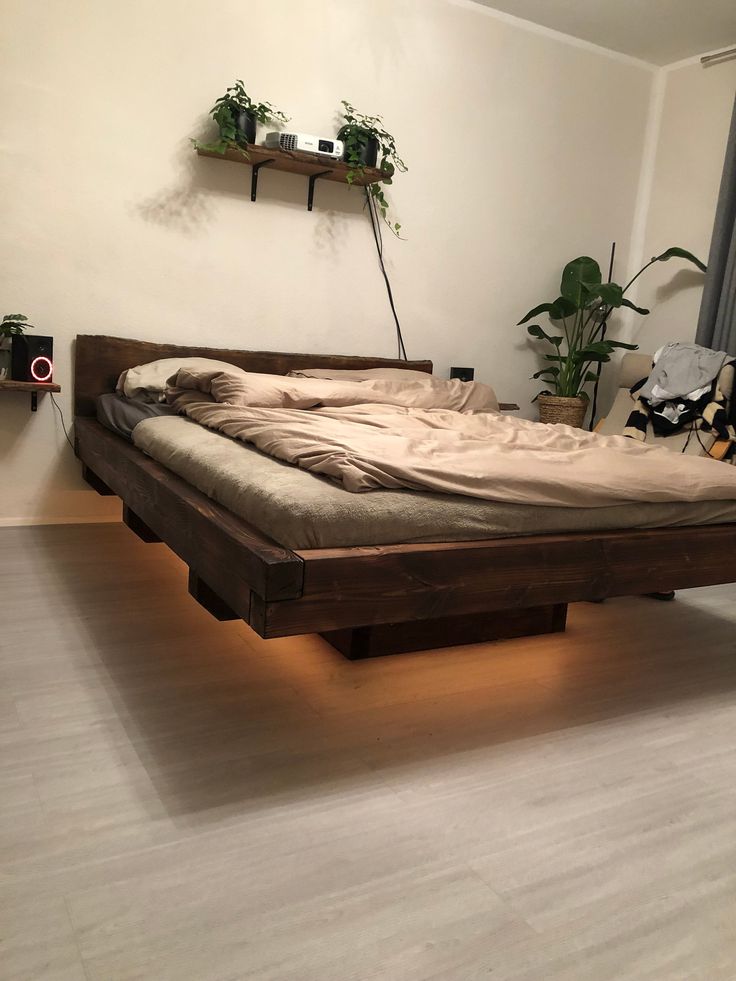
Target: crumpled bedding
382, 442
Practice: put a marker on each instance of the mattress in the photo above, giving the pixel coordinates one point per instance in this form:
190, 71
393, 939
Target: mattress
121, 415
301, 510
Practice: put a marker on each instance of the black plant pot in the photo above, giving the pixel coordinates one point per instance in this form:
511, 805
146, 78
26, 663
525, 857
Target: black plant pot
245, 124
368, 151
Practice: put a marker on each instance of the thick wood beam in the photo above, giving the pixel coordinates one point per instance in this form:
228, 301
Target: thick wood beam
420, 635
208, 598
231, 556
398, 583
90, 477
99, 360
138, 526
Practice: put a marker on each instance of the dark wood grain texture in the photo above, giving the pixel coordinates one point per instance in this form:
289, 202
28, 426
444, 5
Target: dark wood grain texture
230, 556
385, 584
99, 361
421, 635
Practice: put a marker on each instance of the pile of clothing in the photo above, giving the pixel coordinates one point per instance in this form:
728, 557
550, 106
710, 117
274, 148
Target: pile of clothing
682, 392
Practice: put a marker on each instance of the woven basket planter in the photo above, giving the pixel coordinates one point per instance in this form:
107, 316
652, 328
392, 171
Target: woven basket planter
568, 411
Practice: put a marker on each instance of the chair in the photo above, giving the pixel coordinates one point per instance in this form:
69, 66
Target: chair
634, 367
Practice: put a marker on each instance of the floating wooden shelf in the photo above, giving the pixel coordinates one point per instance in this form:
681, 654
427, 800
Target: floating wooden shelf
294, 162
35, 388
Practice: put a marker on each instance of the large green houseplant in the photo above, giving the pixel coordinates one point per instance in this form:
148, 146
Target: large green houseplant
368, 144
581, 313
236, 115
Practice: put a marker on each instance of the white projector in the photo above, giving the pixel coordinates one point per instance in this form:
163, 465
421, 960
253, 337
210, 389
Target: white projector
305, 144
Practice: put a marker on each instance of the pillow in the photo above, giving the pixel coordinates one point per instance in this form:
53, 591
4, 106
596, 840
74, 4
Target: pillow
458, 395
147, 382
276, 391
361, 374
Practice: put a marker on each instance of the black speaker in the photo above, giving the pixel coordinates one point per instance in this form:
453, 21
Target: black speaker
464, 374
32, 358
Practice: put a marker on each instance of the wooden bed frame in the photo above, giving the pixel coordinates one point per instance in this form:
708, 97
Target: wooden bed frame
378, 599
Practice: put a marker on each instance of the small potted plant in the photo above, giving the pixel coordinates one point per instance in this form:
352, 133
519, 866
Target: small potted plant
11, 325
236, 115
581, 313
366, 140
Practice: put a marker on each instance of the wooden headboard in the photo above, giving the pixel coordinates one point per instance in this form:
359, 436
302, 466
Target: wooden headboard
99, 360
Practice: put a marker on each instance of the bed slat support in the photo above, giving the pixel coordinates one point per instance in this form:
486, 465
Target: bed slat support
208, 598
138, 526
452, 631
91, 478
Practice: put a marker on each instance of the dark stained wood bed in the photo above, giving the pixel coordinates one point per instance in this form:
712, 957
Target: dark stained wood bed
378, 599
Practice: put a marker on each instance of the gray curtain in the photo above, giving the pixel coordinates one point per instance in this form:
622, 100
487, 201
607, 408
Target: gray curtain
717, 320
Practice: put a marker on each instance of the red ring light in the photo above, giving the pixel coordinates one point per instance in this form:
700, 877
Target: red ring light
41, 369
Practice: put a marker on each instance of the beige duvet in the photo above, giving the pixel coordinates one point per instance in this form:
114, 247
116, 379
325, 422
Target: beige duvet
370, 435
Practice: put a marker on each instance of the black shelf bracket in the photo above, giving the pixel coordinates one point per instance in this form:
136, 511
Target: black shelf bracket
312, 179
254, 178
34, 401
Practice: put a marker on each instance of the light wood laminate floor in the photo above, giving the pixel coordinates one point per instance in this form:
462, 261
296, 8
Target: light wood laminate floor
182, 801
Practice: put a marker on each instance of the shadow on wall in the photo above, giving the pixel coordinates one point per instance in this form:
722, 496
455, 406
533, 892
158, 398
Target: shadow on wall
684, 279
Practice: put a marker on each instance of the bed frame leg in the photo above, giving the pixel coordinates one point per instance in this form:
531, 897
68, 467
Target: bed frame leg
137, 525
90, 477
419, 635
208, 598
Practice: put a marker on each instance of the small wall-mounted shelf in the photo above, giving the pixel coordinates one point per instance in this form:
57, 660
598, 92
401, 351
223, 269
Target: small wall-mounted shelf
35, 388
293, 162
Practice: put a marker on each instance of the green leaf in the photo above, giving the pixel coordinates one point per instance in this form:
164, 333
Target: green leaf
677, 253
543, 372
623, 345
557, 310
562, 307
578, 277
542, 308
534, 330
590, 376
597, 351
610, 293
597, 347
14, 316
632, 306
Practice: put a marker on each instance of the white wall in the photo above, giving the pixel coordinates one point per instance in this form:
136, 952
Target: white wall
523, 148
692, 133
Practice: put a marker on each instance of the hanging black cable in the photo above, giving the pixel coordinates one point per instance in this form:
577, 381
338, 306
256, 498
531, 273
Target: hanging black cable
378, 238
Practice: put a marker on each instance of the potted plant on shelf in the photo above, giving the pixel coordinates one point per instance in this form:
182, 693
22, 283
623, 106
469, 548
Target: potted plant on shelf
236, 115
366, 140
581, 313
10, 326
